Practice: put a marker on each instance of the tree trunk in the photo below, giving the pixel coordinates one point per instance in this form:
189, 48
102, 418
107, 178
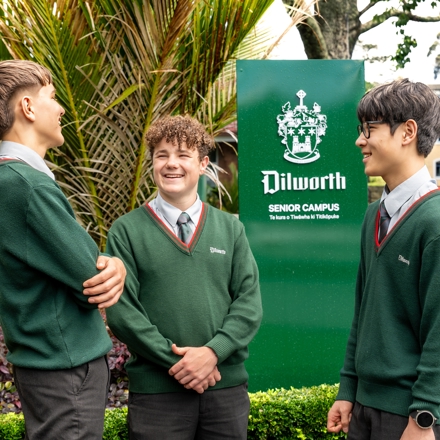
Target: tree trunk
334, 33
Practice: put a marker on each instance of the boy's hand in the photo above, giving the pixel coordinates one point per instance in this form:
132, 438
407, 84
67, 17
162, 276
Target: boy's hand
339, 416
195, 370
413, 432
210, 381
106, 287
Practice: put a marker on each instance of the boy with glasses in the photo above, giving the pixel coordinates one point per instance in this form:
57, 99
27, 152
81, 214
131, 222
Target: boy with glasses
390, 381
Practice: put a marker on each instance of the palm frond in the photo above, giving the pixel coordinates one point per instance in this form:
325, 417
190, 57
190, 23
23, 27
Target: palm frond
120, 65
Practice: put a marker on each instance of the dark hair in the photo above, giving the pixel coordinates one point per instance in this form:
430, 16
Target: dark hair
16, 75
399, 101
179, 129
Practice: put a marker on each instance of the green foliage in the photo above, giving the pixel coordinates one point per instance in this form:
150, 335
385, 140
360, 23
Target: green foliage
120, 65
404, 50
292, 414
115, 424
277, 414
228, 202
11, 426
376, 181
370, 85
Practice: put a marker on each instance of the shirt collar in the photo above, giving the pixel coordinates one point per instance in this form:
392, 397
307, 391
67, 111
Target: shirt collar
26, 154
398, 196
171, 213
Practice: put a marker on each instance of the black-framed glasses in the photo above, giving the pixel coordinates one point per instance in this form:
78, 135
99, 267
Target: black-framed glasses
365, 128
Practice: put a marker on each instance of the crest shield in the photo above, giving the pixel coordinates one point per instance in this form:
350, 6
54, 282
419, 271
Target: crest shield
301, 130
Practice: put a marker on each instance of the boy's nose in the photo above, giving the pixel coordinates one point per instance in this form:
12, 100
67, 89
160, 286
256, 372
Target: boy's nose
361, 140
172, 162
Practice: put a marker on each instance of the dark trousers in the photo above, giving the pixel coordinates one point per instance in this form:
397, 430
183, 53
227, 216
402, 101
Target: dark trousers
64, 404
213, 415
372, 424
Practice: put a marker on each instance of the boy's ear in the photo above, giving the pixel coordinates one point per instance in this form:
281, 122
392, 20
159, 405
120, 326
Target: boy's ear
26, 108
409, 131
203, 164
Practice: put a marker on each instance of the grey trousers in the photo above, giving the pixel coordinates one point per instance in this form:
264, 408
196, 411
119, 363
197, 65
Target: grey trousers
213, 415
64, 404
372, 424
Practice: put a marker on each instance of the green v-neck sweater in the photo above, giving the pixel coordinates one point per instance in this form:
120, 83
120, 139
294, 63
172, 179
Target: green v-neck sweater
204, 294
393, 354
45, 256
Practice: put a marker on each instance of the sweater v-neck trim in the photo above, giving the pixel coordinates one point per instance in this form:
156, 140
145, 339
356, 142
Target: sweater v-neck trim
4, 160
186, 248
405, 216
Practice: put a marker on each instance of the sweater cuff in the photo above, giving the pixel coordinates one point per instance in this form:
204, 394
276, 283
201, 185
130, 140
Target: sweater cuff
221, 346
424, 405
347, 389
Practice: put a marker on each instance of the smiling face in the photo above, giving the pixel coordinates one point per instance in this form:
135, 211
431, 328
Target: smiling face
384, 153
47, 114
176, 172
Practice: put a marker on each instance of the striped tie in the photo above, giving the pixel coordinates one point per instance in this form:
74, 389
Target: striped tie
184, 228
384, 221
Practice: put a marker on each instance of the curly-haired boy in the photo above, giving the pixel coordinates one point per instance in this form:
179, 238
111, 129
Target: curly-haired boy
192, 301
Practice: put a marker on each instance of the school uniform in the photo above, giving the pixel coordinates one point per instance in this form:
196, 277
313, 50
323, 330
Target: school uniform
391, 366
57, 341
201, 293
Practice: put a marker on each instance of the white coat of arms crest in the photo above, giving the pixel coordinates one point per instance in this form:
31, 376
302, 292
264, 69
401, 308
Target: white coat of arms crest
301, 130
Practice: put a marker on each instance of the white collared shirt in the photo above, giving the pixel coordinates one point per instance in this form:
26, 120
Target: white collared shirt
25, 154
403, 196
169, 213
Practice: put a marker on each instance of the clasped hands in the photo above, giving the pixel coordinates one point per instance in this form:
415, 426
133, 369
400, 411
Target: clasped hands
197, 369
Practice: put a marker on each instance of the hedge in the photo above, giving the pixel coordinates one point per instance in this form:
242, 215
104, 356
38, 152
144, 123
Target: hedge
277, 414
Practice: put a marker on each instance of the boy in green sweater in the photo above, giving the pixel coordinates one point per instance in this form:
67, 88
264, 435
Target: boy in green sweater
191, 303
390, 382
53, 279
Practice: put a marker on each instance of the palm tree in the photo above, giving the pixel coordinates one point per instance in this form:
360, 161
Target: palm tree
120, 65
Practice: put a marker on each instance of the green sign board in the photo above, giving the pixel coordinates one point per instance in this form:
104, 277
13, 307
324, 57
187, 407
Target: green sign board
303, 194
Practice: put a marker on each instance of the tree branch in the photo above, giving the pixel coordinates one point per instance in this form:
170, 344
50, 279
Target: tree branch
392, 13
368, 7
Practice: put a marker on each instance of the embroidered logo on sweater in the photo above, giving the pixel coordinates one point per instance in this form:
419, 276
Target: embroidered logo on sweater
403, 260
216, 251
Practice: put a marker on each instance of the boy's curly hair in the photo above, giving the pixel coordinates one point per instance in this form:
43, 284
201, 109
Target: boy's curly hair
179, 129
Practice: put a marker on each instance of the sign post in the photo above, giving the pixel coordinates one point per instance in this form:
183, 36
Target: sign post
303, 194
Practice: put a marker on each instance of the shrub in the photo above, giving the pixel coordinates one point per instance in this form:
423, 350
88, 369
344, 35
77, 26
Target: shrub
11, 426
9, 401
117, 357
115, 424
275, 415
292, 414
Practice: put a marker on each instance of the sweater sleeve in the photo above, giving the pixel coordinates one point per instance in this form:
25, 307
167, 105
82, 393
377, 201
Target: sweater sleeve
241, 323
129, 320
425, 389
348, 375
56, 244
348, 381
